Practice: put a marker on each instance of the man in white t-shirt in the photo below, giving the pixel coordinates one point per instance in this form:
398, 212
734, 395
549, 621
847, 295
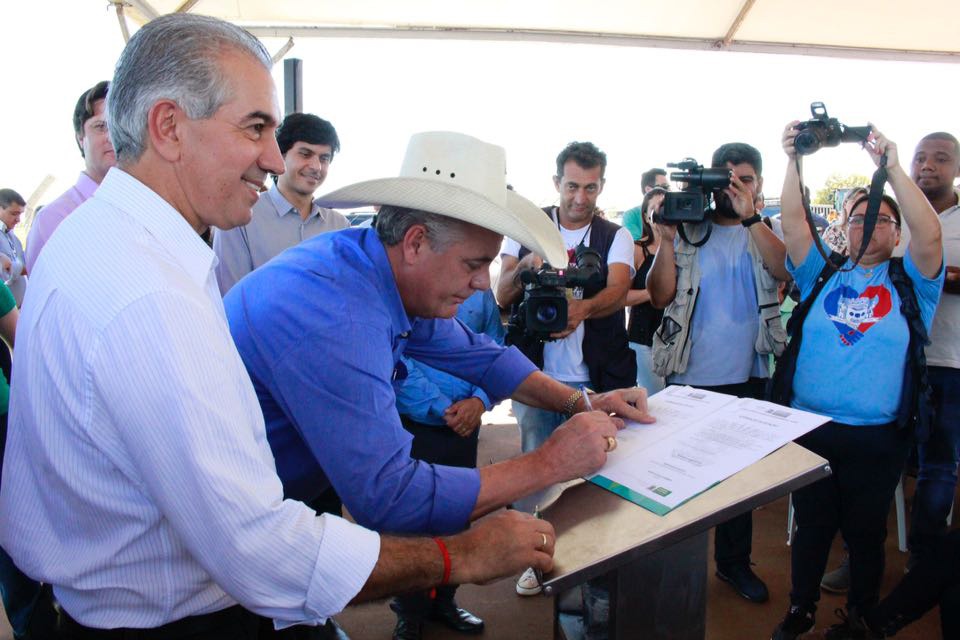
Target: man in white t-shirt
593, 350
935, 167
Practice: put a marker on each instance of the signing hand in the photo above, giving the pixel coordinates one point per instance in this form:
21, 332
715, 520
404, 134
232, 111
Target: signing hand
579, 446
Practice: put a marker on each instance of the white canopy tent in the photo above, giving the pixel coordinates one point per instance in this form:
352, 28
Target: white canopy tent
877, 29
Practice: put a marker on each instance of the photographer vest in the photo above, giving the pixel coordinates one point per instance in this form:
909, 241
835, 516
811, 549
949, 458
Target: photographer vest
671, 344
609, 359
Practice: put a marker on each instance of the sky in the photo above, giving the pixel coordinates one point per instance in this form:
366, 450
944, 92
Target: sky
644, 107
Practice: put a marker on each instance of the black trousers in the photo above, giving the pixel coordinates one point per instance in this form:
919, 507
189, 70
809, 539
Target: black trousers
934, 580
437, 445
867, 462
233, 623
733, 539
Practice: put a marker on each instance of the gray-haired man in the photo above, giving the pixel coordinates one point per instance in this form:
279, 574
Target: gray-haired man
139, 482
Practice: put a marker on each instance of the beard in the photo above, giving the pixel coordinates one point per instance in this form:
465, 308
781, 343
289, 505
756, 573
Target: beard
724, 207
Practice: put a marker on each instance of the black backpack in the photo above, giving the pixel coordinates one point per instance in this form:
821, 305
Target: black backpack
914, 411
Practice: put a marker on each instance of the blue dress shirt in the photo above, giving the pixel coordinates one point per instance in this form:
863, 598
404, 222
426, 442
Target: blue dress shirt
321, 330
426, 393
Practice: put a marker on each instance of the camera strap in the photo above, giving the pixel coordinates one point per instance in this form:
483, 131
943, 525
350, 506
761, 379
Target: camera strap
877, 182
707, 225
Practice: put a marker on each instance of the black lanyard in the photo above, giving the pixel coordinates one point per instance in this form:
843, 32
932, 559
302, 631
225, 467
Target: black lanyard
582, 239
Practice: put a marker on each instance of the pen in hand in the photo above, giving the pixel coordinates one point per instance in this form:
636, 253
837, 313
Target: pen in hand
586, 398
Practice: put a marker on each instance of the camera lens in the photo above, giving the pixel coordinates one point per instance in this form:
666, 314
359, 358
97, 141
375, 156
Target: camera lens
547, 313
807, 141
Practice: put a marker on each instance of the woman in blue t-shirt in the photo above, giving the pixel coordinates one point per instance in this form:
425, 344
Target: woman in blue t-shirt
851, 367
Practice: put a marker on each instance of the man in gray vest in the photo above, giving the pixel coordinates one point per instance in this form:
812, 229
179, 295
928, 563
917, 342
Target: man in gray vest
722, 319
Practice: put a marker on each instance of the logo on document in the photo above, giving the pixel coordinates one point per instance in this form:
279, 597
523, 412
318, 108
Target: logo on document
660, 491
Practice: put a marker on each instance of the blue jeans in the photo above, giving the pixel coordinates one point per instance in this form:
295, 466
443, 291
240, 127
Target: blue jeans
646, 378
937, 476
536, 425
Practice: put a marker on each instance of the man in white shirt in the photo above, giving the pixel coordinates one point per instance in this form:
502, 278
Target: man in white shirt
935, 168
139, 481
593, 350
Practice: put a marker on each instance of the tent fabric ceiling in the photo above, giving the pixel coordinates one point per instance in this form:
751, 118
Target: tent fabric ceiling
890, 29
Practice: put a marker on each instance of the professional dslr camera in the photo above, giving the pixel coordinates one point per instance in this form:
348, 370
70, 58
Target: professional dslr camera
824, 131
544, 307
692, 202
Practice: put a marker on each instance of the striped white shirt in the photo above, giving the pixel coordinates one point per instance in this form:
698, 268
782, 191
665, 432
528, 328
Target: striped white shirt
138, 479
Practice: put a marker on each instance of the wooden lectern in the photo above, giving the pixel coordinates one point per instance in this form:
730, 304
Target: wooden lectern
658, 564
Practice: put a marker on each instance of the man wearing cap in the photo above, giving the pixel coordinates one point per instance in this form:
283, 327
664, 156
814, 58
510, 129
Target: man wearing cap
138, 481
286, 214
92, 136
322, 328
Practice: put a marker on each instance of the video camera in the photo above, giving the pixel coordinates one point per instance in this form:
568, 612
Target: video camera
824, 131
544, 307
692, 202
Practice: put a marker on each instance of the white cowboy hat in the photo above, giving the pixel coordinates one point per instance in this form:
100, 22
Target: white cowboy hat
457, 175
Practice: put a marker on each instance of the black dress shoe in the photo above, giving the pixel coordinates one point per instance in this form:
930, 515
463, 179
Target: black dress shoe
744, 581
407, 629
456, 618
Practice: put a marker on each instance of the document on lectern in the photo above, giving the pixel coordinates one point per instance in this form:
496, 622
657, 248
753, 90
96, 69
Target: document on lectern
699, 439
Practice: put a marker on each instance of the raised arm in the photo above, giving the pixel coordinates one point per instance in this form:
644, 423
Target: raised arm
925, 246
662, 277
796, 231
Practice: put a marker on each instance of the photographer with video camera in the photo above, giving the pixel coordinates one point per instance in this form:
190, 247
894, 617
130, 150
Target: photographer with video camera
721, 318
856, 355
591, 348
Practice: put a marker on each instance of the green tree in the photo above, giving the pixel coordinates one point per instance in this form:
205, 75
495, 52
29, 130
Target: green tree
838, 181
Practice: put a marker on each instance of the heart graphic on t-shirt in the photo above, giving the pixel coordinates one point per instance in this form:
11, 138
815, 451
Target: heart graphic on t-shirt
854, 313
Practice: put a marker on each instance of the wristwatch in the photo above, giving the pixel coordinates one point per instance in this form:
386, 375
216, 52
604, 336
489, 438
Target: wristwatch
570, 406
752, 220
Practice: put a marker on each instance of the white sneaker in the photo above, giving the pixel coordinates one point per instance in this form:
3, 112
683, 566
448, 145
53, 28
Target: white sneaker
528, 585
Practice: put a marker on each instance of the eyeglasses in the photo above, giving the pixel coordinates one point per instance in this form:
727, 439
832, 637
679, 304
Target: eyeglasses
882, 221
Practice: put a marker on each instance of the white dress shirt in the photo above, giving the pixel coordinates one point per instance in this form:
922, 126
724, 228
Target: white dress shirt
138, 479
